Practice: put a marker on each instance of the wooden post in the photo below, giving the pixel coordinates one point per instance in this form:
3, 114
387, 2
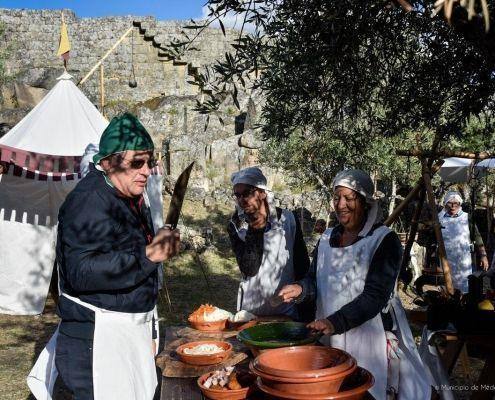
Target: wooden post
482, 155
102, 90
105, 56
393, 195
489, 202
442, 254
413, 230
412, 195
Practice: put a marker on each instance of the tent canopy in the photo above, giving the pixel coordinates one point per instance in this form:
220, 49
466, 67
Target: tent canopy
58, 129
489, 163
456, 170
62, 124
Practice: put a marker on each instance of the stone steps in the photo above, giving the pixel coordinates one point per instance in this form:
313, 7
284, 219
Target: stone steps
149, 34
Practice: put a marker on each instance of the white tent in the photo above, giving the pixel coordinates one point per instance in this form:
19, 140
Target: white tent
44, 151
456, 170
488, 163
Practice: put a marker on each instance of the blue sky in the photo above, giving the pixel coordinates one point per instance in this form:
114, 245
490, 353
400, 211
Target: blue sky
161, 9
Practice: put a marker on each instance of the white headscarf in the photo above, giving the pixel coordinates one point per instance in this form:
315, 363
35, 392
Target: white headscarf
361, 183
356, 180
452, 196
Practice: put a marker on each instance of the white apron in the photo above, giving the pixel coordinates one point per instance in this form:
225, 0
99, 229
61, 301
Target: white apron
276, 270
455, 232
123, 363
340, 275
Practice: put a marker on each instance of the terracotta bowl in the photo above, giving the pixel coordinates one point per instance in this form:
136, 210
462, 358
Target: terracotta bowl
304, 362
321, 385
209, 326
204, 359
228, 394
354, 387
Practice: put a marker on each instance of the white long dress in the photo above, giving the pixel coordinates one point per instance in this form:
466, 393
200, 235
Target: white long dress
455, 233
340, 275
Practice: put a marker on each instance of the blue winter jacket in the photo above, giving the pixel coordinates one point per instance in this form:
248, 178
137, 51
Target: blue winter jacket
101, 255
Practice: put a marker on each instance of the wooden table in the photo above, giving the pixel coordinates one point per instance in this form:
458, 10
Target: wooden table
484, 388
187, 388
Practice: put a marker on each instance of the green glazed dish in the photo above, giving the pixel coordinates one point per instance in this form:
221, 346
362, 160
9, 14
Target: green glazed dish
277, 334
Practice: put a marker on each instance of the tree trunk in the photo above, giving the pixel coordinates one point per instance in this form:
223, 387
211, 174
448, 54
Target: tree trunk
391, 205
374, 178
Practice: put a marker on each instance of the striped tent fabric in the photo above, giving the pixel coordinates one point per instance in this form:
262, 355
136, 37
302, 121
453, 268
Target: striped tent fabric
43, 153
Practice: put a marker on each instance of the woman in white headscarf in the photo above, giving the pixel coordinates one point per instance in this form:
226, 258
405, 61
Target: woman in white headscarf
353, 279
460, 236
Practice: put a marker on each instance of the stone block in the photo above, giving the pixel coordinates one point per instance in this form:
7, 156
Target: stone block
28, 96
7, 96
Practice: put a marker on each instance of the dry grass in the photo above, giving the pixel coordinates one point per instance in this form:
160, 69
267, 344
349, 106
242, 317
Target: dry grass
23, 337
21, 340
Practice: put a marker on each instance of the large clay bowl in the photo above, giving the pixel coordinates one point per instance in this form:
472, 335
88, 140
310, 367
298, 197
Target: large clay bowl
216, 394
304, 362
354, 387
209, 326
322, 385
204, 359
277, 334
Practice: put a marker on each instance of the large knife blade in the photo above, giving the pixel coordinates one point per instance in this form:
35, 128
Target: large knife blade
178, 197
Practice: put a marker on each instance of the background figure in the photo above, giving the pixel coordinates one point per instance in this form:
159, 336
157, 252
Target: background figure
462, 239
319, 228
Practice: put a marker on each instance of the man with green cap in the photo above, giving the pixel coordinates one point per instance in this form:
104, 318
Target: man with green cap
109, 260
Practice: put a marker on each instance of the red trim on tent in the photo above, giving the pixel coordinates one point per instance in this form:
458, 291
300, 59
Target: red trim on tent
41, 166
44, 163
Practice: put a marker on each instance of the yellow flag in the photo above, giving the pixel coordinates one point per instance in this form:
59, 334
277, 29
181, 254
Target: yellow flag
64, 45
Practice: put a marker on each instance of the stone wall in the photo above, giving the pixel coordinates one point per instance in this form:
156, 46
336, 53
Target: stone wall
34, 35
163, 99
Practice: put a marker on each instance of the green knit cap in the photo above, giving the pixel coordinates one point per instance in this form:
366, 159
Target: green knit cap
124, 132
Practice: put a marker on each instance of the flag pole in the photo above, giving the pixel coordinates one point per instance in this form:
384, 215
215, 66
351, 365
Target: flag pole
65, 60
64, 44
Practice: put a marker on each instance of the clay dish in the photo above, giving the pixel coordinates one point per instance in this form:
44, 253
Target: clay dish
212, 326
321, 385
204, 359
304, 362
228, 394
354, 387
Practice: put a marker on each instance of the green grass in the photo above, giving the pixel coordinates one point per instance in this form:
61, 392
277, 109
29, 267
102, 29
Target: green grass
211, 277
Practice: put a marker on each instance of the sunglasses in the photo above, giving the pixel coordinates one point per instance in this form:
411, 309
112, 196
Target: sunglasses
245, 195
138, 164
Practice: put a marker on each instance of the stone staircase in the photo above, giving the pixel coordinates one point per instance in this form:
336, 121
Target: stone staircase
149, 34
